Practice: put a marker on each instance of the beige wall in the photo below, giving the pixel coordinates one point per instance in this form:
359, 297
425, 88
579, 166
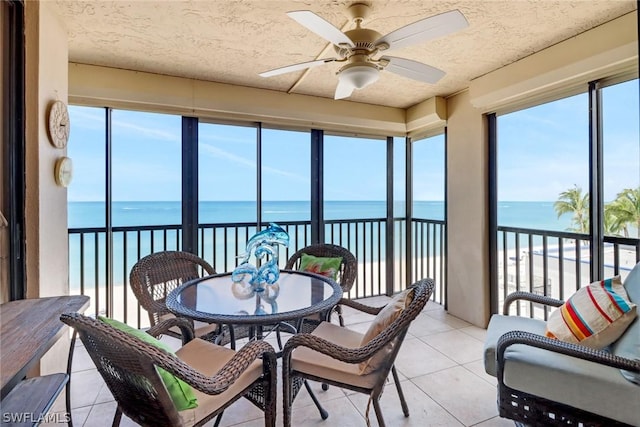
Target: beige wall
46, 204
467, 212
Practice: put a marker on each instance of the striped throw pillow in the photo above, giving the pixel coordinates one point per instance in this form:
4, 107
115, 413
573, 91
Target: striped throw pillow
595, 316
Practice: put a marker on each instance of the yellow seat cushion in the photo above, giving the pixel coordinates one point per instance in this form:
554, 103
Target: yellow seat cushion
311, 362
208, 359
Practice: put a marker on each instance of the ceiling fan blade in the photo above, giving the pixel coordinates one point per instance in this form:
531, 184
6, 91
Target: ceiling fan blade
321, 27
296, 67
344, 89
425, 29
413, 69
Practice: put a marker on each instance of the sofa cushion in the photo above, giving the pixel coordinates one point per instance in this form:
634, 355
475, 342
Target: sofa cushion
591, 386
595, 316
500, 325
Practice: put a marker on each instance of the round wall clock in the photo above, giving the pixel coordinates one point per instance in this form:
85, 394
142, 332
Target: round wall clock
59, 125
63, 171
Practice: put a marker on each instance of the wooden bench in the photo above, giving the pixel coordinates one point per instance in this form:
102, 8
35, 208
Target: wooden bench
28, 329
28, 402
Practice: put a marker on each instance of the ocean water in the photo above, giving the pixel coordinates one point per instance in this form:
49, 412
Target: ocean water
87, 252
535, 215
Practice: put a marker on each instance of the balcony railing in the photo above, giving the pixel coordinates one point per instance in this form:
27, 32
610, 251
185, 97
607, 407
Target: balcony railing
554, 263
105, 278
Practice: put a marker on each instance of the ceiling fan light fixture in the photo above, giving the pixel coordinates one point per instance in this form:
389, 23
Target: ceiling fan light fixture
360, 75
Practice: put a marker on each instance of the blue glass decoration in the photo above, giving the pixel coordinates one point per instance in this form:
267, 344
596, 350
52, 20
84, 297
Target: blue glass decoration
264, 245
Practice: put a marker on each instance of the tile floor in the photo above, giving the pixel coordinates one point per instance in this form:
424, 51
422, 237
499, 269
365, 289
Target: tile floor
440, 366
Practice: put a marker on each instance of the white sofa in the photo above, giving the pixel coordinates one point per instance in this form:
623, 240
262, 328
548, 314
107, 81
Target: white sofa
542, 381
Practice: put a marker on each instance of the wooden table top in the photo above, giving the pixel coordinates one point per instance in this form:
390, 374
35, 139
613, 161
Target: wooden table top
28, 329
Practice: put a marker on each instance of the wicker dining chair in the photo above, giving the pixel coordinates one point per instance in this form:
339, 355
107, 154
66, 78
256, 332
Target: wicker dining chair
333, 354
219, 376
346, 275
154, 276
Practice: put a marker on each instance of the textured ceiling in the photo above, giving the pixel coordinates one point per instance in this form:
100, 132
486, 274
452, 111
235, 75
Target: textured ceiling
233, 41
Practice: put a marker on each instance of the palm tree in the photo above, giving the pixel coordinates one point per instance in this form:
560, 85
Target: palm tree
612, 224
574, 202
626, 209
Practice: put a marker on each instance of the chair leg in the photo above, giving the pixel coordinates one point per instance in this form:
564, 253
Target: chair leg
403, 402
218, 419
323, 412
339, 311
117, 417
279, 337
72, 346
376, 407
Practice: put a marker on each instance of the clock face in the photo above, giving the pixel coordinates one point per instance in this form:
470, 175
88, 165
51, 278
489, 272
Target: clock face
63, 171
59, 125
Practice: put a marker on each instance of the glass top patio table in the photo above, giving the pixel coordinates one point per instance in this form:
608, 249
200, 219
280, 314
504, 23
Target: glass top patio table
216, 299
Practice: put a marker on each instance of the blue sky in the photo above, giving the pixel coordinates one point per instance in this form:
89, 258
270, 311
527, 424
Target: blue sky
542, 151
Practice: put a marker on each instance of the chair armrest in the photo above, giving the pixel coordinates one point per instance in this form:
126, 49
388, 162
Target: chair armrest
186, 328
569, 349
529, 296
344, 354
228, 374
360, 307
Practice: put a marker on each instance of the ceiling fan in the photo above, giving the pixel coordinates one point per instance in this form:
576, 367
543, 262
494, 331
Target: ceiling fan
359, 48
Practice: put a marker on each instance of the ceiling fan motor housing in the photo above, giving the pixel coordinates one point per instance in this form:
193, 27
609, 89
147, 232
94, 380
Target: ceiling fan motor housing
363, 38
359, 73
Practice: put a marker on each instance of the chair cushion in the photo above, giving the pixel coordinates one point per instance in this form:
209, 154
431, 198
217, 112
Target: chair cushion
200, 328
383, 319
180, 392
499, 325
328, 267
595, 316
311, 362
208, 359
578, 383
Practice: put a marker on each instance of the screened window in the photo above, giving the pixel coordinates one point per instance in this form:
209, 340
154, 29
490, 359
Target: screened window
146, 168
621, 159
227, 173
286, 171
354, 178
429, 178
